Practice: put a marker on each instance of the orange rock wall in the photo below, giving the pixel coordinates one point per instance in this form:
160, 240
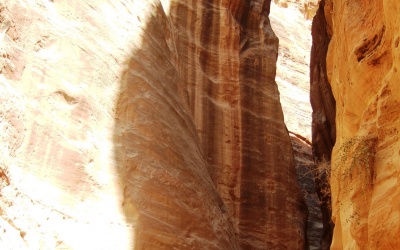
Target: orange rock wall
363, 69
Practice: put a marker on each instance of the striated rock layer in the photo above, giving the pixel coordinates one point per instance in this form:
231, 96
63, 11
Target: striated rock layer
144, 125
363, 70
229, 73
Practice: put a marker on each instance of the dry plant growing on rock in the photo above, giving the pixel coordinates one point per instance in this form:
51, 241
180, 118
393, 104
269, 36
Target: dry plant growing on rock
359, 154
322, 175
357, 173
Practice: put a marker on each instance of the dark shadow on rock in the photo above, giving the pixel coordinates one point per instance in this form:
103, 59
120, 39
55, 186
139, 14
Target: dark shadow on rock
304, 168
324, 112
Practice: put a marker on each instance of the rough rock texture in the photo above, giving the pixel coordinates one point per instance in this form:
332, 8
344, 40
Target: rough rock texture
293, 66
145, 125
323, 116
306, 7
363, 69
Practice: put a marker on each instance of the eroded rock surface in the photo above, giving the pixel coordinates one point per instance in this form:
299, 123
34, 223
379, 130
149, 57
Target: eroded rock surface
363, 70
144, 125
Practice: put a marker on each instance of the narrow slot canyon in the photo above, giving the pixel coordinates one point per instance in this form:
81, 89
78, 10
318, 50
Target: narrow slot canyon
299, 29
210, 124
291, 22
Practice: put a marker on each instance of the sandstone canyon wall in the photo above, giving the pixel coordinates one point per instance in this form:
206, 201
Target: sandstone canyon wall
144, 125
362, 68
231, 90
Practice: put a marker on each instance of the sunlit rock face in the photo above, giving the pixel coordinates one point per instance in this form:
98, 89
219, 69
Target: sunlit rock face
144, 125
293, 27
60, 68
363, 70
